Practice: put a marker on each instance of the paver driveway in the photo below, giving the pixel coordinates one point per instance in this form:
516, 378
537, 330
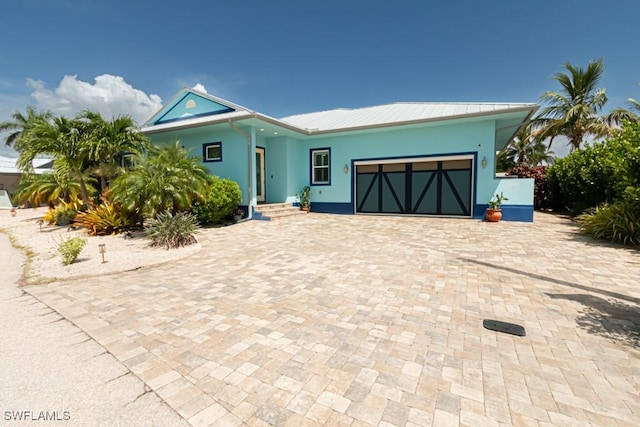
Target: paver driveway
355, 320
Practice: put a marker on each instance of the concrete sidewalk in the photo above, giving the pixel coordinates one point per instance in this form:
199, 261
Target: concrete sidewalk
52, 371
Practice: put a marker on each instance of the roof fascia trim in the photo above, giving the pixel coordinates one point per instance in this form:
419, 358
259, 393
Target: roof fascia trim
254, 115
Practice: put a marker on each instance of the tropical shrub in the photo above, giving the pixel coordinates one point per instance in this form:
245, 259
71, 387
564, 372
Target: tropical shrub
539, 175
166, 180
618, 221
107, 218
222, 199
48, 188
50, 216
63, 213
70, 249
598, 174
171, 230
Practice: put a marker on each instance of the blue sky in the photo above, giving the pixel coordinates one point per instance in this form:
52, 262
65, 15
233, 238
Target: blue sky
289, 57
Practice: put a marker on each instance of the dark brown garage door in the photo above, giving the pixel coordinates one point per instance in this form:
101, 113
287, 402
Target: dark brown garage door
439, 187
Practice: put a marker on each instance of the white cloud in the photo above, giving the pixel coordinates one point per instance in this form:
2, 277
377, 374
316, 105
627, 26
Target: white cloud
109, 95
200, 88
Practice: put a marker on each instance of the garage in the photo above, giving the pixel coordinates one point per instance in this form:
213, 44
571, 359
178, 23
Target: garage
441, 186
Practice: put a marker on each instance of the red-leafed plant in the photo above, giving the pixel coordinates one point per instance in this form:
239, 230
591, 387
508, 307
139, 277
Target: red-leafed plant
539, 174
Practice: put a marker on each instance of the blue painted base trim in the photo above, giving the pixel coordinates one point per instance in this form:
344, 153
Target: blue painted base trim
333, 208
258, 216
522, 213
245, 209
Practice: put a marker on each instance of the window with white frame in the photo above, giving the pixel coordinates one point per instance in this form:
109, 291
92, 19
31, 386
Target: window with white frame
320, 166
212, 152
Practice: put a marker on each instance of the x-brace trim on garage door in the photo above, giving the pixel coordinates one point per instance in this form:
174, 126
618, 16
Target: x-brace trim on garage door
429, 188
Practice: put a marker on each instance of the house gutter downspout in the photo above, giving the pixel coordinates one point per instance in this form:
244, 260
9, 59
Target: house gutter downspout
249, 165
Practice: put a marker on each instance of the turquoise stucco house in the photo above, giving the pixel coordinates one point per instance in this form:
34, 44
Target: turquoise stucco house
435, 159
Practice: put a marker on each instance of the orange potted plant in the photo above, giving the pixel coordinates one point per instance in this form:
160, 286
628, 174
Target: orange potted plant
494, 211
305, 198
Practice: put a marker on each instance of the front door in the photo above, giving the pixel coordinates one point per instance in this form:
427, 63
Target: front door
260, 175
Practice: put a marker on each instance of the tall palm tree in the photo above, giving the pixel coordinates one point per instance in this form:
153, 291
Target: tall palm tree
62, 138
108, 139
21, 123
574, 110
167, 179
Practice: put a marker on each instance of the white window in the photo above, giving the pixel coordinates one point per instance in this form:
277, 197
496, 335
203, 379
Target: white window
320, 166
212, 152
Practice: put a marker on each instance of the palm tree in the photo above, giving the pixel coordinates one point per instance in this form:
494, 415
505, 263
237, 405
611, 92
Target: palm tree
574, 110
526, 149
539, 154
65, 140
166, 180
634, 104
21, 123
109, 139
49, 188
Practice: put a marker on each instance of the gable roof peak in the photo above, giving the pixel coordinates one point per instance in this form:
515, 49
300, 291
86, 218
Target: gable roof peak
189, 103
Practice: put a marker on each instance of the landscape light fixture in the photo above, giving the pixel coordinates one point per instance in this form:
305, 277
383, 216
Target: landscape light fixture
102, 248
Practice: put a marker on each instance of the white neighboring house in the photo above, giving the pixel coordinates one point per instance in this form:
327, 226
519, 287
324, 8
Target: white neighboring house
10, 174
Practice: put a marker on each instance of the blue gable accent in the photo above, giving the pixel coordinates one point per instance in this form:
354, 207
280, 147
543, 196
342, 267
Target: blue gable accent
191, 105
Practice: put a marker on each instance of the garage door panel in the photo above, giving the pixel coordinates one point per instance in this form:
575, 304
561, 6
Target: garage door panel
367, 200
423, 193
442, 187
456, 185
393, 190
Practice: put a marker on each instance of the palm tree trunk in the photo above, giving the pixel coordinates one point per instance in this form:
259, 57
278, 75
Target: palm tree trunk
575, 142
83, 191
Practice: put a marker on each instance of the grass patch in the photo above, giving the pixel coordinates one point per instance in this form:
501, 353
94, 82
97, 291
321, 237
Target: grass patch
28, 253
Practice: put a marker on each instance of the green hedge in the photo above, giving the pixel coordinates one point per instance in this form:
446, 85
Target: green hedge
222, 198
598, 174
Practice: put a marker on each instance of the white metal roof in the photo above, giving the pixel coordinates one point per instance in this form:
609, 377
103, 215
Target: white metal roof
8, 165
344, 119
397, 113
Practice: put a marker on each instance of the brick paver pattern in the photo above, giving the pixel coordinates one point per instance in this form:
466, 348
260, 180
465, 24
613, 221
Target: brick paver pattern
372, 320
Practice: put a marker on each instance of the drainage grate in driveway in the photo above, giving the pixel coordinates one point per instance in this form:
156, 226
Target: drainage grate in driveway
507, 328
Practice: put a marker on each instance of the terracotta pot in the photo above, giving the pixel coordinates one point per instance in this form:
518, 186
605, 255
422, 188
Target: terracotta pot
13, 212
304, 208
493, 215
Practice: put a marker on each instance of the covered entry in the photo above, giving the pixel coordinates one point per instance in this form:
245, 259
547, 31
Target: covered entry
420, 186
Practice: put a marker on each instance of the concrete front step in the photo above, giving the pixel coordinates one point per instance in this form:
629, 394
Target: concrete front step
274, 211
287, 214
273, 206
